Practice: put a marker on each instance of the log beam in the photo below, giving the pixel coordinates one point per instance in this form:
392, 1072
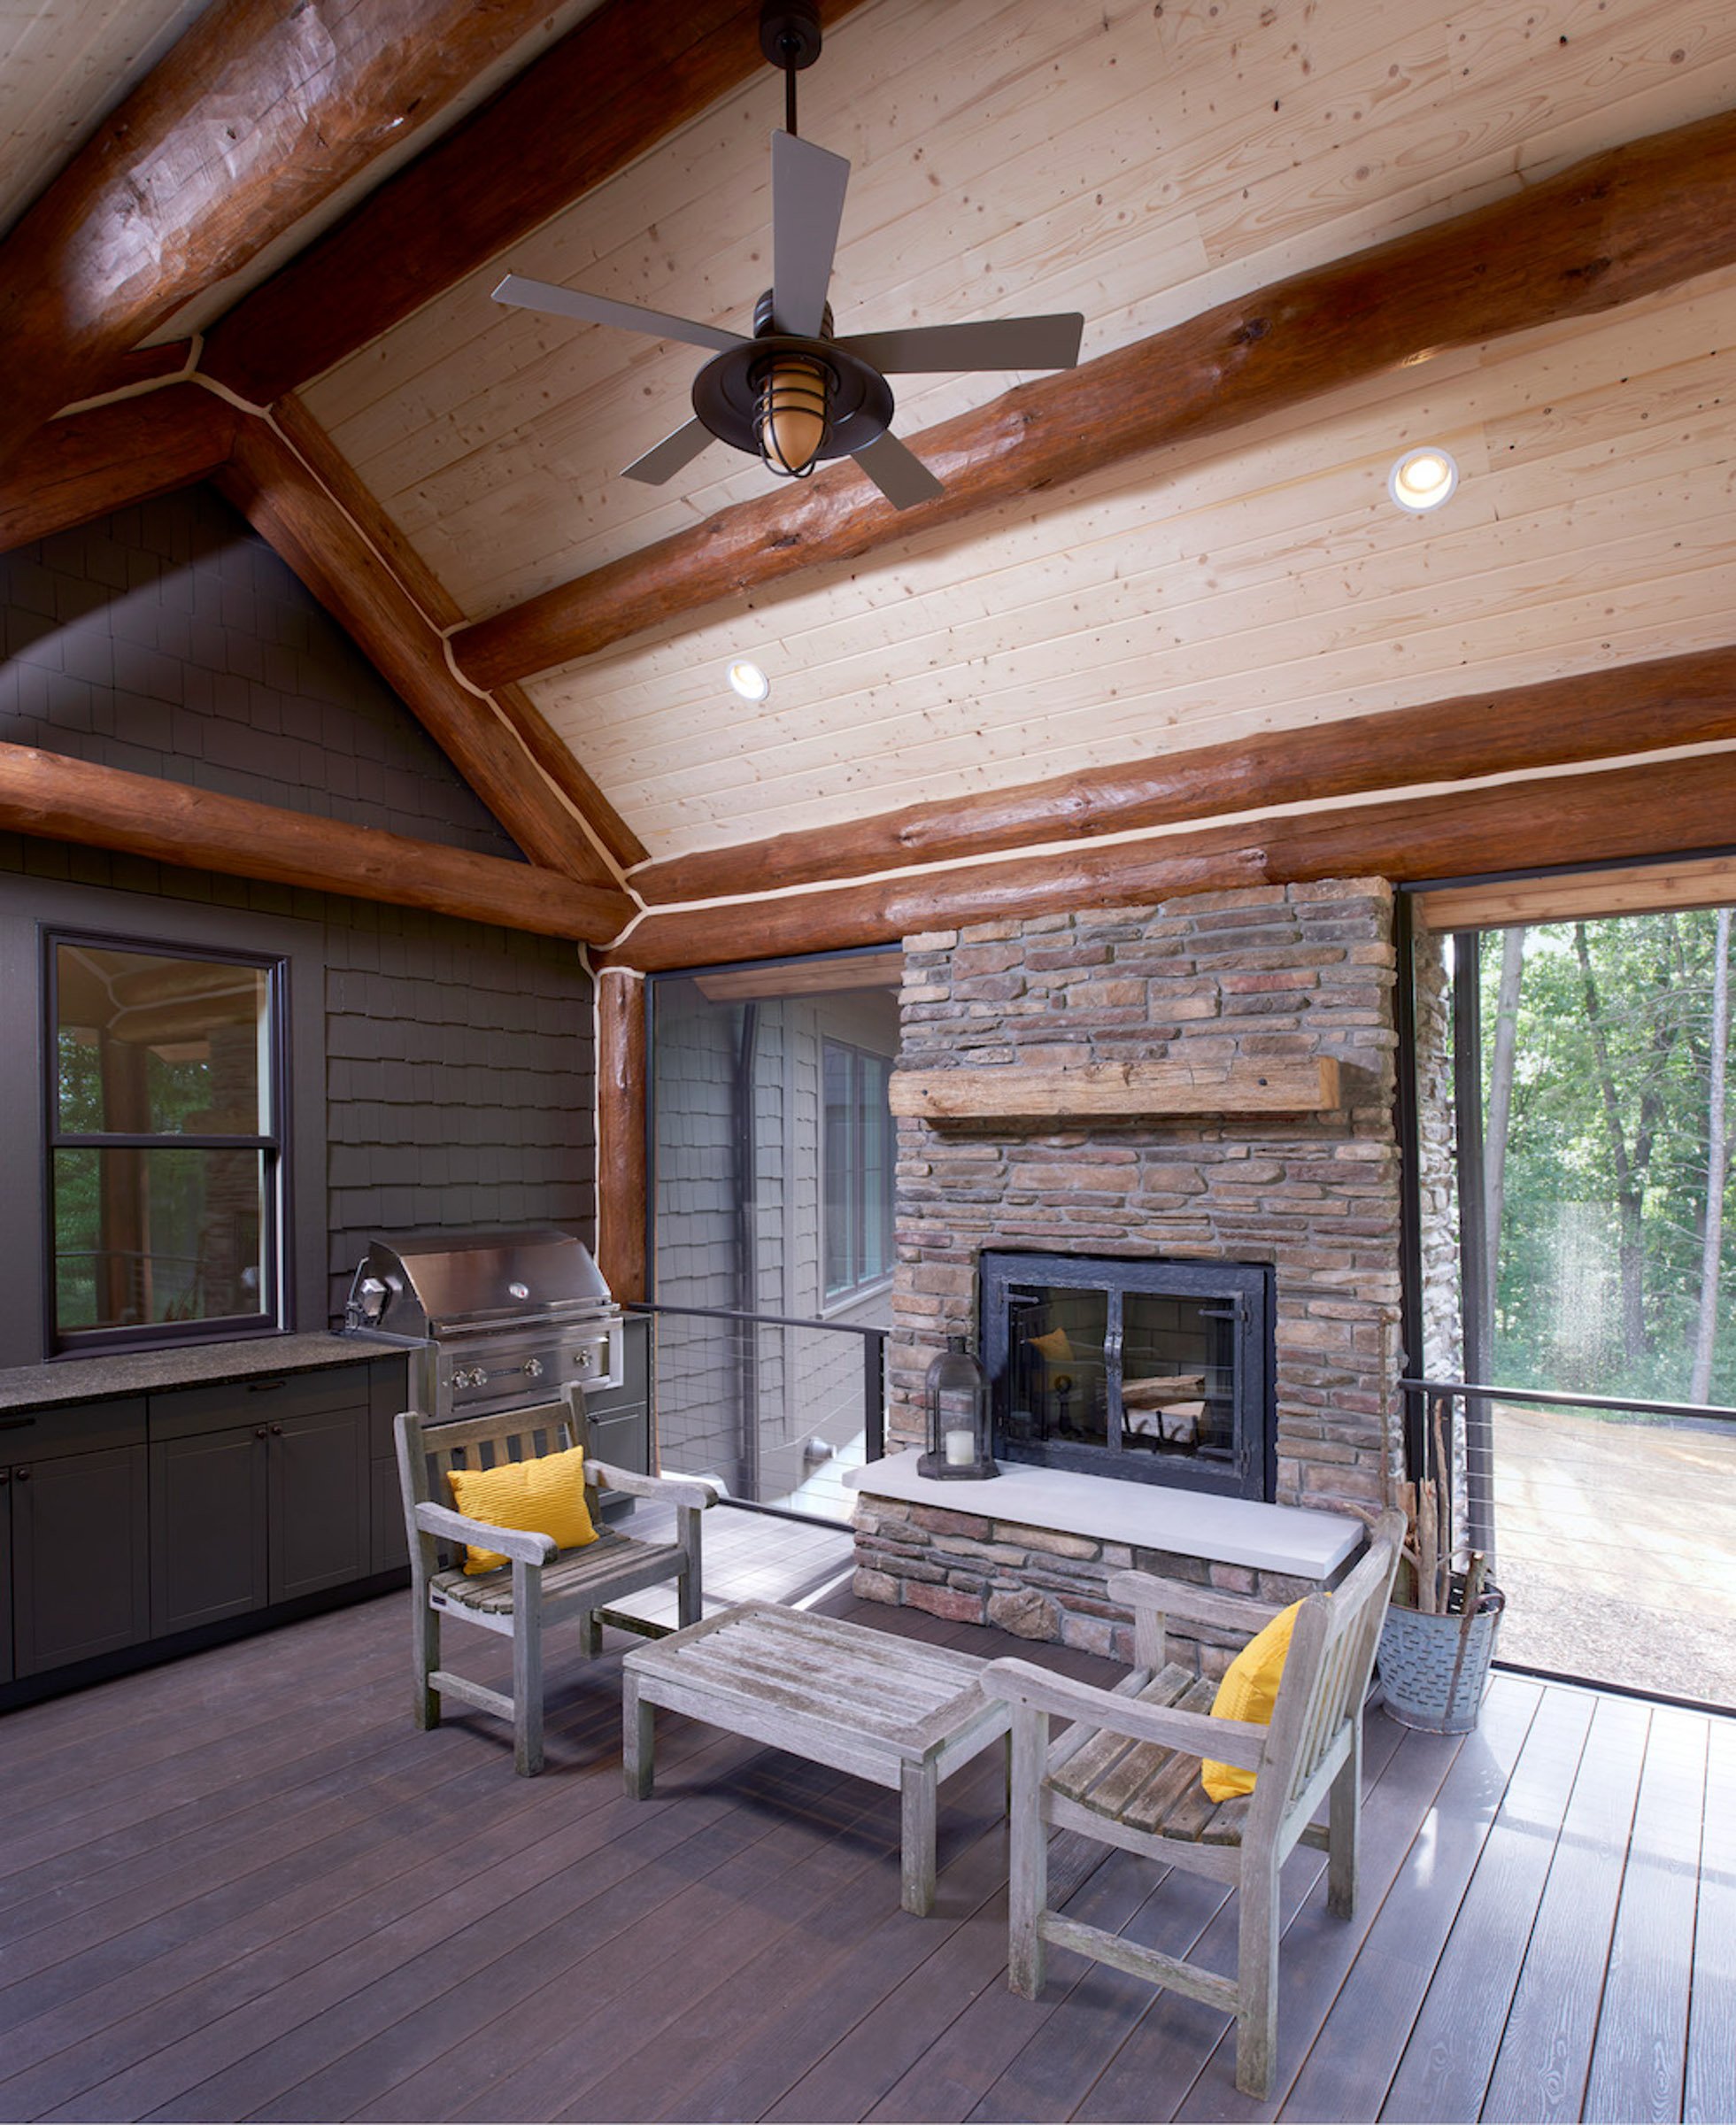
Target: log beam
622, 1180
1628, 709
625, 77
47, 794
1657, 808
292, 511
334, 473
76, 470
1617, 225
258, 114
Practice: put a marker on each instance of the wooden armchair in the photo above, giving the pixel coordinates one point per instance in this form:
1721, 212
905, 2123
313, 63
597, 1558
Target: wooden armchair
540, 1583
1128, 1773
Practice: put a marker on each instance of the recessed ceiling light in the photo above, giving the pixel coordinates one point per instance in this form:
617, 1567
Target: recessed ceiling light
749, 681
1423, 479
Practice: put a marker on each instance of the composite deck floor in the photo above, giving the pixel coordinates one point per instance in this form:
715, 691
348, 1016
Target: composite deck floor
243, 1886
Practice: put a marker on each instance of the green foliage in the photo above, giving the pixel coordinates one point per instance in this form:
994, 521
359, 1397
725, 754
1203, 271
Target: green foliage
1591, 1129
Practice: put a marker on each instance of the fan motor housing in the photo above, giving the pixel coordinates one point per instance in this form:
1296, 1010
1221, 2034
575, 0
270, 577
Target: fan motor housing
726, 394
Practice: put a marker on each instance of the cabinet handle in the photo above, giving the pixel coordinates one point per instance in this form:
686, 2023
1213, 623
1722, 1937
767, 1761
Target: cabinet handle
5, 1475
277, 1430
265, 1387
260, 1431
16, 1424
22, 1474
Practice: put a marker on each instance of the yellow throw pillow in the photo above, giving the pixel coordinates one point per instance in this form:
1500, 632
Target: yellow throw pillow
1054, 1346
543, 1496
1248, 1691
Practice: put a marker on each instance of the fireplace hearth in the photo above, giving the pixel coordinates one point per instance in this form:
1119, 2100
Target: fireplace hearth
1149, 1371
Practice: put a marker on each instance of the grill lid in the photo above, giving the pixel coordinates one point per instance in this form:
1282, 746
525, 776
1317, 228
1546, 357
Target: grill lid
423, 1284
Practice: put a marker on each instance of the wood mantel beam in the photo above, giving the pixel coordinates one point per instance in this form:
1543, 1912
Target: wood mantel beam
73, 470
65, 800
1657, 808
625, 77
1627, 708
290, 509
1617, 225
260, 112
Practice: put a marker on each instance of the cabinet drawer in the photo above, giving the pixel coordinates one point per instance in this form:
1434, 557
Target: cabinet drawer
185, 1412
74, 1428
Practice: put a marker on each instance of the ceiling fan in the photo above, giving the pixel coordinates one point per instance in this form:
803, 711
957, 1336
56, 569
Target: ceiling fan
792, 394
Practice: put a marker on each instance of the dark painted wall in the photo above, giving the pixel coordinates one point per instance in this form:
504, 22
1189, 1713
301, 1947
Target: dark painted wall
169, 640
458, 1057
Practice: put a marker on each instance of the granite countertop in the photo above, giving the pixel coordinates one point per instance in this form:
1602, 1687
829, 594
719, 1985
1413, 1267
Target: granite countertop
70, 1379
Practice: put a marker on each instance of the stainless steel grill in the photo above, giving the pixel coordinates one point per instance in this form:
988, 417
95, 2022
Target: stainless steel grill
495, 1320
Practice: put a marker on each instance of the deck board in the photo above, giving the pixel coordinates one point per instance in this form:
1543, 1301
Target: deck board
216, 1905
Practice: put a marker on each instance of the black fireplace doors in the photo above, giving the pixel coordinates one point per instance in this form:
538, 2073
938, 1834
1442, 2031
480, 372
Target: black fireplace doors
1157, 1372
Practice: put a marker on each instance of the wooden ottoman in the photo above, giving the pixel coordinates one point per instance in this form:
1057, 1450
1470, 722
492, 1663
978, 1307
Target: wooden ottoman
902, 1714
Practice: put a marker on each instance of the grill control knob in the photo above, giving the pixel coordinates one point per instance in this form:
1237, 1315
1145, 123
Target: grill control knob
584, 1360
533, 1368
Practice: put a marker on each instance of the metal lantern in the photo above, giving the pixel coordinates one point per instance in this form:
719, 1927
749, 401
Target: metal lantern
957, 1399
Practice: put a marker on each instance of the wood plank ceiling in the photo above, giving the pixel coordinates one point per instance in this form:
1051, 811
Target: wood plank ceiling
1140, 163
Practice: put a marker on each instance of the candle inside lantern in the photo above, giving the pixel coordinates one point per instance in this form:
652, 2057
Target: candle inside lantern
961, 1448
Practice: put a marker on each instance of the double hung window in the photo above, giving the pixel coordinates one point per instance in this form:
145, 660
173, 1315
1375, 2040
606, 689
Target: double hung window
857, 1170
165, 1148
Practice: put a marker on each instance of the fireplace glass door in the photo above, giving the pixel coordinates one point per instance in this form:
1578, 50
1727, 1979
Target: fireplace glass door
1158, 1371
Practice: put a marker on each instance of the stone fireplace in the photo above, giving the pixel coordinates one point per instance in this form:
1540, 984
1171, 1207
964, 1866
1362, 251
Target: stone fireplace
1307, 1201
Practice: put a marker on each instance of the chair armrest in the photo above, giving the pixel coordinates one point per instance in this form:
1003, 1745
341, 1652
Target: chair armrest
514, 1542
1238, 1741
1174, 1597
674, 1490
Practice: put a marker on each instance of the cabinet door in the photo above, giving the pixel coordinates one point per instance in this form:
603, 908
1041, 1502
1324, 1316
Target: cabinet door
81, 1575
5, 1575
320, 1517
208, 1522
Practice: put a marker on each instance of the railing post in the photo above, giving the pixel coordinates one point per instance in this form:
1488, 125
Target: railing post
874, 1394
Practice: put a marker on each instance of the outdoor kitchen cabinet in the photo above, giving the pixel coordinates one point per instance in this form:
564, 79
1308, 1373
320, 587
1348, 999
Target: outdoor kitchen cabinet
74, 1534
259, 1493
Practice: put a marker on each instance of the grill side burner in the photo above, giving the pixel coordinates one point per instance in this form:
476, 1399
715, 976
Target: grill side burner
495, 1320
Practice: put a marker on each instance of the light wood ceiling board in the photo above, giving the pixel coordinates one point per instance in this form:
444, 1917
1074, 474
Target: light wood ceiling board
1241, 569
65, 63
543, 495
545, 474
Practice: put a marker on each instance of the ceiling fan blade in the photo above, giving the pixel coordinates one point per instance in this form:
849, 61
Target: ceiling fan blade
663, 461
900, 473
998, 342
808, 204
520, 294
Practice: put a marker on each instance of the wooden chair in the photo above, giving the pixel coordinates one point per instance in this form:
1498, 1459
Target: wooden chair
539, 1584
1128, 1774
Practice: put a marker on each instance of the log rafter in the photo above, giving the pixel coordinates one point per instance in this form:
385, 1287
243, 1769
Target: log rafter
1629, 708
1655, 809
1619, 225
256, 115
49, 794
627, 76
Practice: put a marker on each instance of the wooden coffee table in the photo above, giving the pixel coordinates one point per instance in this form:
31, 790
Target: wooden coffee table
903, 1714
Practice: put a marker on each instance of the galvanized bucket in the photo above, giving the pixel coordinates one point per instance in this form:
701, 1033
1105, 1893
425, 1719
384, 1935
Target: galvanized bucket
1434, 1668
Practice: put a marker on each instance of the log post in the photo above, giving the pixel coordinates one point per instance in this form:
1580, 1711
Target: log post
622, 1163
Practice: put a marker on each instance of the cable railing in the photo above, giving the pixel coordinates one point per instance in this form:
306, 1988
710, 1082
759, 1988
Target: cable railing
778, 1406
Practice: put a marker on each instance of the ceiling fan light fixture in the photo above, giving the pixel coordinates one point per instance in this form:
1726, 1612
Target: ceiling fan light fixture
793, 416
1423, 479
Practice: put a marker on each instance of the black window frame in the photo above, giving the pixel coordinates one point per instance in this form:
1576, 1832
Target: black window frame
273, 1146
835, 1297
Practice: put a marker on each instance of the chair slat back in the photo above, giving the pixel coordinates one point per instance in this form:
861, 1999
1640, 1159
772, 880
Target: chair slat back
1326, 1675
482, 1442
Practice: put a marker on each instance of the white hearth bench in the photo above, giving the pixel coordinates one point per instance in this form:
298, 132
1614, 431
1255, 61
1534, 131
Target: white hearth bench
952, 1548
